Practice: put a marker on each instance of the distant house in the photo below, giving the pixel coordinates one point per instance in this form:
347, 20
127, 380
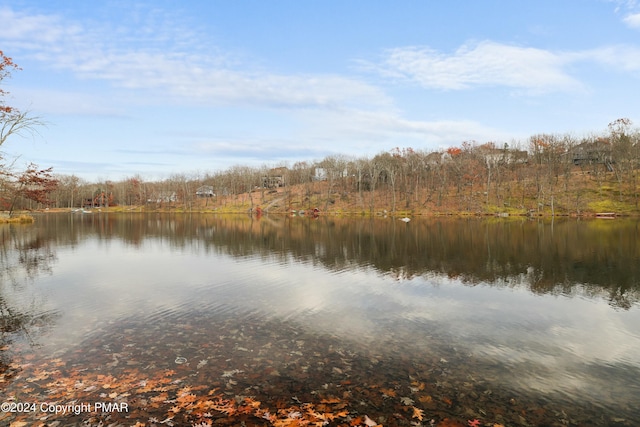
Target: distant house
504, 156
321, 174
435, 158
490, 154
164, 197
593, 152
100, 200
205, 191
518, 156
275, 178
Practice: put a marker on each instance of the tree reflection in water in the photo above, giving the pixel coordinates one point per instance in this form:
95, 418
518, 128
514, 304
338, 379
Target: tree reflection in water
439, 360
595, 259
24, 255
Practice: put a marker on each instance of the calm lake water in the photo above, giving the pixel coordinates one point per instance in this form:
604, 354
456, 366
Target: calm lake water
438, 321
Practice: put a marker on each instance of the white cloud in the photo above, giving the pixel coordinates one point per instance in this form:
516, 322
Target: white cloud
353, 133
370, 132
632, 20
201, 75
55, 101
490, 64
486, 63
622, 58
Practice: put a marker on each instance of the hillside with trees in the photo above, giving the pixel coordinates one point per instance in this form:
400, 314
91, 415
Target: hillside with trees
546, 175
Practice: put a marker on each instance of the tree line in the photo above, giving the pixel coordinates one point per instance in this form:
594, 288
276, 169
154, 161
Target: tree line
548, 172
557, 173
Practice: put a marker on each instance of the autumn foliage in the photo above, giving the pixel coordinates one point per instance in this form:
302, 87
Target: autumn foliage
6, 66
34, 184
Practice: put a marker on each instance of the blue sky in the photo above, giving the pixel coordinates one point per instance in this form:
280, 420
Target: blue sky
162, 87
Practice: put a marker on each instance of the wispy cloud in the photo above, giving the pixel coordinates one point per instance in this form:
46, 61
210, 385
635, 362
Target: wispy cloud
630, 10
369, 132
532, 71
33, 31
173, 67
63, 102
632, 20
485, 63
353, 133
259, 151
623, 58
625, 6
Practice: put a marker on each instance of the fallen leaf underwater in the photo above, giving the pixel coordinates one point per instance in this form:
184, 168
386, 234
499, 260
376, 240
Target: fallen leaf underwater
267, 373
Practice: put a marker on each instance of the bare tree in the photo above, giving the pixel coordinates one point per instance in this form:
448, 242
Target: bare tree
12, 120
334, 167
391, 167
374, 169
66, 193
33, 184
359, 166
622, 151
18, 123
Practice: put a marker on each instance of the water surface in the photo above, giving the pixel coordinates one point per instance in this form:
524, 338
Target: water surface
510, 322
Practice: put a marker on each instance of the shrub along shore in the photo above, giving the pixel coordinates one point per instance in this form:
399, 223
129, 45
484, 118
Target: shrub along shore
300, 200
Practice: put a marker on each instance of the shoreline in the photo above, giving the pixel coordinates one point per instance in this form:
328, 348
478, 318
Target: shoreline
25, 217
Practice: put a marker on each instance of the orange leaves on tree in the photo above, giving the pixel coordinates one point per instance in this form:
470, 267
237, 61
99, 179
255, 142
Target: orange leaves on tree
402, 153
454, 151
6, 67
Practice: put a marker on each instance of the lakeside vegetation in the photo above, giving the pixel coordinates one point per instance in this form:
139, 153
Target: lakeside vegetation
553, 175
546, 175
20, 219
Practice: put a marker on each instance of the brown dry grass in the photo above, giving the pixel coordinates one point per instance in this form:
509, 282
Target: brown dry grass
20, 219
579, 195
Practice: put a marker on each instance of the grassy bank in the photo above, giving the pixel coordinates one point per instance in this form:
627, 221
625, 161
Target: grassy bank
575, 195
20, 219
275, 204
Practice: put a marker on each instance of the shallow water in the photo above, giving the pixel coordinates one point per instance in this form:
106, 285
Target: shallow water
509, 322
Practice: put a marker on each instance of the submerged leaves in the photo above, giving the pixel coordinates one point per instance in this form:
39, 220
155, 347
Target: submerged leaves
271, 383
